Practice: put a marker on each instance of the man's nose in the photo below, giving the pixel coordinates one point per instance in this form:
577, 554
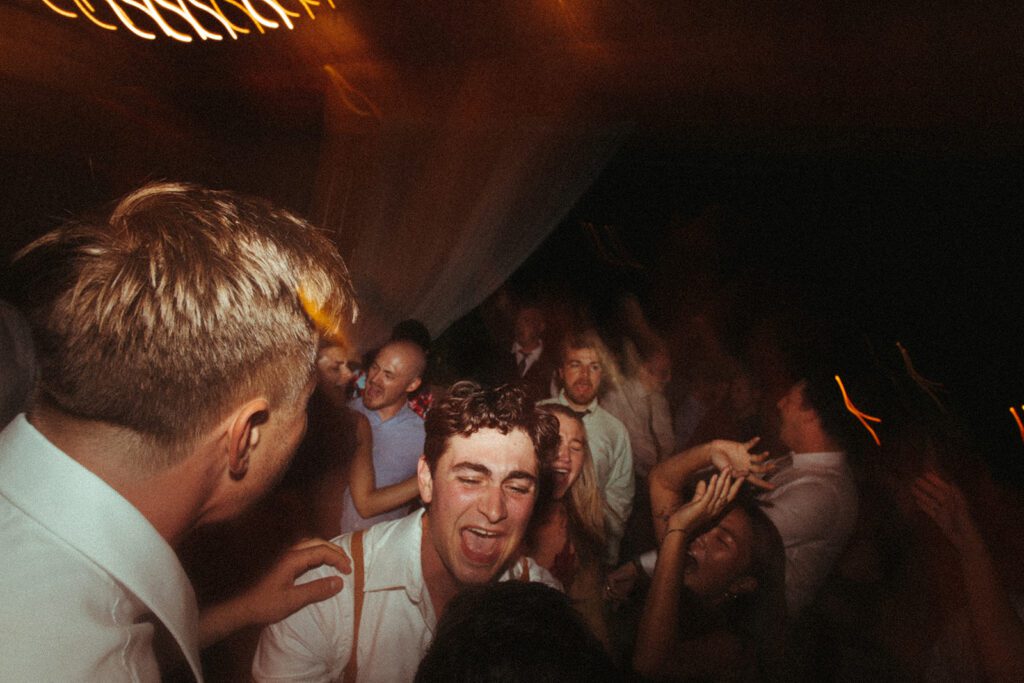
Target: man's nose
492, 504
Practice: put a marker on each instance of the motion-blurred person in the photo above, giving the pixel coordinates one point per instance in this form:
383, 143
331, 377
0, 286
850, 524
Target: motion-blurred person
176, 342
531, 364
584, 365
715, 608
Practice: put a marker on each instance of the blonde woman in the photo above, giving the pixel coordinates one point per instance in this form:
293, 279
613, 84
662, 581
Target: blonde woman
567, 532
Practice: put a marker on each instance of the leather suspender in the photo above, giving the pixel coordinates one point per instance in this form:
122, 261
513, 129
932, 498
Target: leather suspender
351, 671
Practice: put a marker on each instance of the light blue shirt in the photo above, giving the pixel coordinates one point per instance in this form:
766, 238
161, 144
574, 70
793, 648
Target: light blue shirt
397, 446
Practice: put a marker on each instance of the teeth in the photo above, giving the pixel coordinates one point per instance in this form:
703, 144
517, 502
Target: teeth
482, 533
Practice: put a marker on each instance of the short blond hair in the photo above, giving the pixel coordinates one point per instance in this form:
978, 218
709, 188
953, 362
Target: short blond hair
177, 303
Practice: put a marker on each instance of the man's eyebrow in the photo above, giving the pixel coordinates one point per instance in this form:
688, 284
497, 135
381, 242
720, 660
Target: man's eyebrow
521, 474
473, 466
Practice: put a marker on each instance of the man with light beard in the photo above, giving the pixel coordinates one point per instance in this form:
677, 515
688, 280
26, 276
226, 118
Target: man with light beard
585, 361
478, 476
397, 430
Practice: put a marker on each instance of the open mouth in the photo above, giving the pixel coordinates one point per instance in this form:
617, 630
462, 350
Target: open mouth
481, 546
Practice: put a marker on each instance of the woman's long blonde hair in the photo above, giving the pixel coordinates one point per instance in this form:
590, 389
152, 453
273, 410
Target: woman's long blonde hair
585, 505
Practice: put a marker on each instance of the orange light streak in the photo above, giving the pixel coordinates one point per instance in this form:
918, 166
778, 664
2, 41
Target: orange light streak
58, 10
272, 14
1020, 425
128, 23
233, 28
88, 12
863, 417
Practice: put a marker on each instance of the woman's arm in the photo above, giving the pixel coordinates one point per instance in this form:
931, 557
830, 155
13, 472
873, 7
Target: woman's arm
670, 476
367, 498
998, 631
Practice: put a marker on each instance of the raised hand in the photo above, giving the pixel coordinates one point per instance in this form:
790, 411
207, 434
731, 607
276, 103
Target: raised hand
709, 499
737, 456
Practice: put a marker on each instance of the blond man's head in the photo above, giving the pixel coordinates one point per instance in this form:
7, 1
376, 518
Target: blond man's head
177, 303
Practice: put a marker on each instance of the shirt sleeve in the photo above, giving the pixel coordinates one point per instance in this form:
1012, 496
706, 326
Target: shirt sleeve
313, 644
618, 494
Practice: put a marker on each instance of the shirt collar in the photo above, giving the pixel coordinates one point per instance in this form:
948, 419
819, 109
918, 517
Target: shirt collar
86, 513
820, 459
397, 564
517, 349
592, 407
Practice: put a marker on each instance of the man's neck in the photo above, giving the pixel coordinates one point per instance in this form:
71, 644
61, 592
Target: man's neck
578, 407
169, 499
441, 585
529, 346
388, 412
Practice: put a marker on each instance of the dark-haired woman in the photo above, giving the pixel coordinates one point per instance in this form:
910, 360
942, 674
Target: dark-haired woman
716, 604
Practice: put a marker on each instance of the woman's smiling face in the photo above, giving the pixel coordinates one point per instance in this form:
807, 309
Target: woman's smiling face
572, 446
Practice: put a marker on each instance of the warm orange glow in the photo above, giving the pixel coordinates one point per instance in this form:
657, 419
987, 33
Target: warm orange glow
353, 98
264, 14
863, 417
325, 324
1020, 425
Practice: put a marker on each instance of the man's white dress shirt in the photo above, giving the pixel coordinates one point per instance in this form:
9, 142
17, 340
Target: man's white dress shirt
398, 619
814, 507
83, 573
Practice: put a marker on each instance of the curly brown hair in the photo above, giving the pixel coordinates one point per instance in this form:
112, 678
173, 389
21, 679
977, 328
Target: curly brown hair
469, 407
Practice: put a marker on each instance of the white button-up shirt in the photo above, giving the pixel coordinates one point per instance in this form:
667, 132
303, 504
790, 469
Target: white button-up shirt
814, 507
398, 619
82, 569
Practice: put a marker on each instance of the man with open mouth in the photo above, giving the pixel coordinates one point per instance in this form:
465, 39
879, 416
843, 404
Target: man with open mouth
479, 477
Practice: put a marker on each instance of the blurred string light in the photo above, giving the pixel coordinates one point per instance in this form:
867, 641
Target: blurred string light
1016, 417
927, 386
226, 17
863, 417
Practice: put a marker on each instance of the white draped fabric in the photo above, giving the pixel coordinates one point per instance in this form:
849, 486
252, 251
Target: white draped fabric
432, 215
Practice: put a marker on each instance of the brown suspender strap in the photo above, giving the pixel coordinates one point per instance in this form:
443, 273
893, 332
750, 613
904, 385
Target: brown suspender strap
358, 577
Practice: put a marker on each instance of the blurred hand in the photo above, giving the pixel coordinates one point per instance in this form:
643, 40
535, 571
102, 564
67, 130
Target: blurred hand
737, 457
622, 581
944, 503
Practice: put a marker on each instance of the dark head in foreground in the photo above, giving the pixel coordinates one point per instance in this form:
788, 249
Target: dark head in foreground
514, 632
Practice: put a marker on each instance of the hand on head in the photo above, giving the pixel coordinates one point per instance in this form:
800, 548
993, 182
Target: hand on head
708, 502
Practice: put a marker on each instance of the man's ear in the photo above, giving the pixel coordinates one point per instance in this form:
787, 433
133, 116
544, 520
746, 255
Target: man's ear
425, 479
743, 585
244, 434
413, 385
